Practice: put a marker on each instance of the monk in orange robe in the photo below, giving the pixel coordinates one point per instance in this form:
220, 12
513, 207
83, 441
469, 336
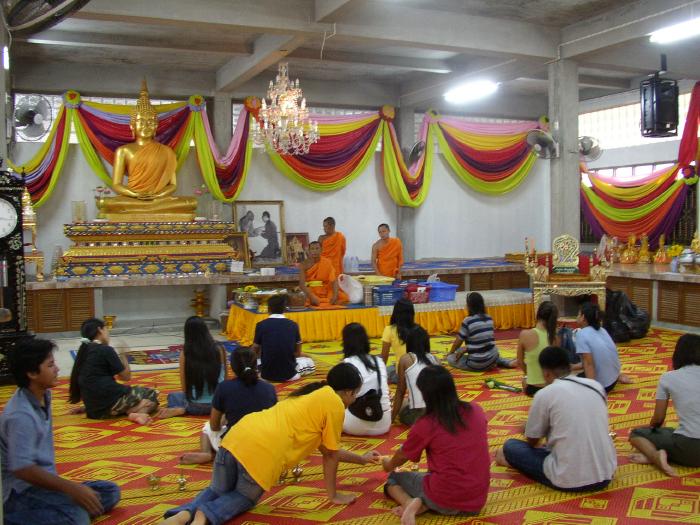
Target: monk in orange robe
332, 244
318, 280
387, 254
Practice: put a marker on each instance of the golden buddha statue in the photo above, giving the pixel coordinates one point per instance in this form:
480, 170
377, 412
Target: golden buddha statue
150, 170
661, 256
644, 255
695, 243
629, 254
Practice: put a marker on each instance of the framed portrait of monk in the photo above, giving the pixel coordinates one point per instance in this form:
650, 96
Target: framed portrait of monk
263, 222
239, 242
297, 247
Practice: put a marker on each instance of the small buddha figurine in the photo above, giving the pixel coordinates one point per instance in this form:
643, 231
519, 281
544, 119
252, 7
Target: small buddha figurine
695, 243
149, 168
644, 256
661, 256
629, 254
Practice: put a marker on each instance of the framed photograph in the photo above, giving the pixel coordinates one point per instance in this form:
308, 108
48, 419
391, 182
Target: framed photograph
297, 247
263, 222
239, 243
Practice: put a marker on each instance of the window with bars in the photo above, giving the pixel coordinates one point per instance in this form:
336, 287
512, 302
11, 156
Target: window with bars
56, 101
237, 108
619, 127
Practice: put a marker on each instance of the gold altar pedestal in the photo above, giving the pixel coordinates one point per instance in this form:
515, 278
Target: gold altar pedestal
568, 283
147, 248
200, 303
37, 258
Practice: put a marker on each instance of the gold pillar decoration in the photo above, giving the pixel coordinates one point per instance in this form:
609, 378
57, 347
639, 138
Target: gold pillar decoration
109, 321
200, 303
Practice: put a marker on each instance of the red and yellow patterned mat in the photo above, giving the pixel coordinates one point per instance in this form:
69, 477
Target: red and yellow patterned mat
129, 454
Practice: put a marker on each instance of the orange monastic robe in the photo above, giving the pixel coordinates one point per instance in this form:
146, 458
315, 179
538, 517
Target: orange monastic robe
390, 257
323, 271
151, 168
333, 248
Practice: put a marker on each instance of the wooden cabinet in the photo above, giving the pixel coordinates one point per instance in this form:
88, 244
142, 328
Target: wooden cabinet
498, 281
679, 303
59, 310
638, 290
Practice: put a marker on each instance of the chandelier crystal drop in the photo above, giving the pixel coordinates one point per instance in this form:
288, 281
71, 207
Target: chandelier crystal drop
284, 122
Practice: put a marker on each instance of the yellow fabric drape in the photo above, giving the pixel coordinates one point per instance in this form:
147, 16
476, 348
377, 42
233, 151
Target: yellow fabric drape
327, 325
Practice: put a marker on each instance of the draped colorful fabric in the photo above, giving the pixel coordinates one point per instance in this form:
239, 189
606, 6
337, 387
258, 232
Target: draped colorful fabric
490, 158
653, 208
651, 205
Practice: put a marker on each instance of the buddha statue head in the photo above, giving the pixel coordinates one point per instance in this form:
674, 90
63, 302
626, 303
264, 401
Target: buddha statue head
144, 118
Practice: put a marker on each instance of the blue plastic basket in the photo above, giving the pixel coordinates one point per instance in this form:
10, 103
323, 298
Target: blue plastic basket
441, 292
386, 295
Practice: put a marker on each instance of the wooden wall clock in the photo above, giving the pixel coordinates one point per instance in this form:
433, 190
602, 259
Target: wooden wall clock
13, 298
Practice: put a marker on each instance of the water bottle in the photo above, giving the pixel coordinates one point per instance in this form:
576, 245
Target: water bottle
355, 264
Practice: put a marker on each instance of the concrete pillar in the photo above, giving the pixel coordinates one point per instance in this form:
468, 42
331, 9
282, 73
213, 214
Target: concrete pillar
5, 105
406, 216
564, 170
223, 121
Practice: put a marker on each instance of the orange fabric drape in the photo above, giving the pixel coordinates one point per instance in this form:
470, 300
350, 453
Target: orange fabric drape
324, 271
333, 248
151, 168
390, 257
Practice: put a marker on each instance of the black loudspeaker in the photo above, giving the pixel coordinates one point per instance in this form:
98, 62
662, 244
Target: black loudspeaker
659, 100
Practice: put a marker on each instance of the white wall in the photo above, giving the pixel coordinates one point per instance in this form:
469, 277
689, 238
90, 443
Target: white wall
454, 221
643, 154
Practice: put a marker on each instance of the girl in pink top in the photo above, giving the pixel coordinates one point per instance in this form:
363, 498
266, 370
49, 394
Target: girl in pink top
453, 434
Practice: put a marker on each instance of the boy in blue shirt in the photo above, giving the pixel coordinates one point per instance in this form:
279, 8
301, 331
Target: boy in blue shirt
32, 490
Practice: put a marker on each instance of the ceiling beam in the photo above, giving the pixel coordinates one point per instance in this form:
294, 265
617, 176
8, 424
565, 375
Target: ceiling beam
593, 81
623, 24
33, 76
100, 40
345, 58
328, 10
644, 60
416, 93
267, 51
375, 22
382, 22
252, 16
332, 93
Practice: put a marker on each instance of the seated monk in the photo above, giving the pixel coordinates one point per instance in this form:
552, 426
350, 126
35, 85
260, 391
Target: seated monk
150, 170
332, 244
387, 254
317, 279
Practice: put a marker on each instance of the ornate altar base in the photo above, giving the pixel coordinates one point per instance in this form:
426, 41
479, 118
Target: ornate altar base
147, 248
508, 308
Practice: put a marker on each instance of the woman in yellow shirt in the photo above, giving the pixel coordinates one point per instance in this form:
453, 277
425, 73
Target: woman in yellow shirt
263, 444
394, 336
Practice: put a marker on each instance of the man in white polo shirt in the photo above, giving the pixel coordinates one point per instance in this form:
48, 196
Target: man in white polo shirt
572, 414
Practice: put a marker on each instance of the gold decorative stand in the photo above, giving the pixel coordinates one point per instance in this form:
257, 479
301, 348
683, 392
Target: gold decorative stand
565, 279
200, 303
147, 248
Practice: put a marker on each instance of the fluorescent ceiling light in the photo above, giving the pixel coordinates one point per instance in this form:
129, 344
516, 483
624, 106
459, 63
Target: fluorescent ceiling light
676, 32
471, 91
6, 58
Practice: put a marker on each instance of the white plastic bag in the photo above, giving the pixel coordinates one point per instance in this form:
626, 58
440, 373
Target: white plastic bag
352, 287
433, 278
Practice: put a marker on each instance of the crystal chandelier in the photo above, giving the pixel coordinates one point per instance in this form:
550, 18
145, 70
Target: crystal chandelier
284, 123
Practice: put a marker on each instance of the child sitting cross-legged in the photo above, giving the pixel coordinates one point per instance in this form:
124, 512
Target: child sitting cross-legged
453, 434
